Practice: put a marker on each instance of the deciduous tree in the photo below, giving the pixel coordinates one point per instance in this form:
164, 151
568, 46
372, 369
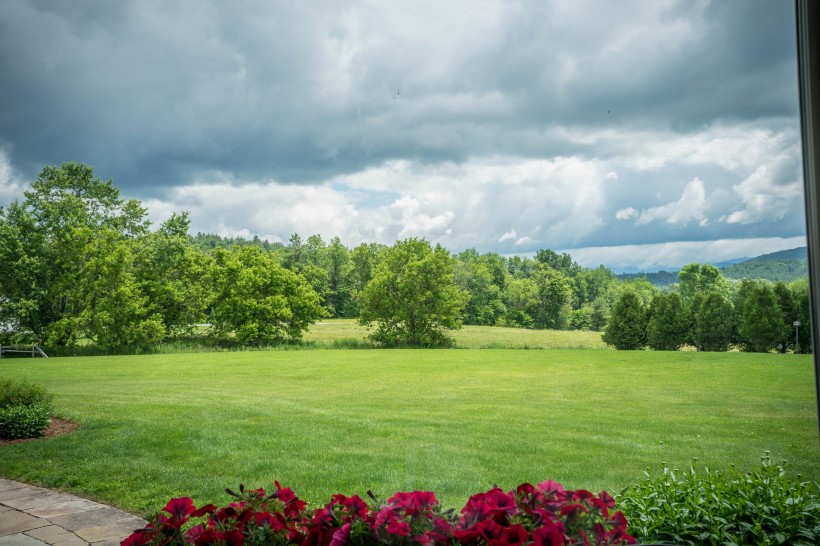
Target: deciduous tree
257, 301
412, 298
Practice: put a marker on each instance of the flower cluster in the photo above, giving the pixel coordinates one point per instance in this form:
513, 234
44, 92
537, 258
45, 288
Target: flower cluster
540, 515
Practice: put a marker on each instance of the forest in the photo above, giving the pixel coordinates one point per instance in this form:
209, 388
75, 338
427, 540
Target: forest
80, 265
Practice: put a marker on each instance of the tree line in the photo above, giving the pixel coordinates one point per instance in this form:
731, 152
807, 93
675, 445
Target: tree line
79, 265
711, 313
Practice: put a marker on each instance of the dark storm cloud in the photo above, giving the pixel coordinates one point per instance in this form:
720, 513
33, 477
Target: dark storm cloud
508, 126
154, 94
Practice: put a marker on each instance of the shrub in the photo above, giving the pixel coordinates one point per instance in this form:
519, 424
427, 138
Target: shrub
702, 506
542, 515
23, 421
24, 409
20, 393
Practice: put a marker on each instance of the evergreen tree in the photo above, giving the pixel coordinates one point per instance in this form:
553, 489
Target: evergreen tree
668, 324
627, 324
712, 322
761, 322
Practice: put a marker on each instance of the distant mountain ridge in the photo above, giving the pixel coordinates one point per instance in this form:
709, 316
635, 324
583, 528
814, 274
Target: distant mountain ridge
799, 253
784, 265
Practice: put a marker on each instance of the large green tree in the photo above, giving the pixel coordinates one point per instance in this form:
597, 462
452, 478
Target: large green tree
627, 325
552, 309
697, 278
257, 301
175, 276
412, 298
761, 325
102, 300
474, 276
712, 318
668, 324
520, 296
39, 246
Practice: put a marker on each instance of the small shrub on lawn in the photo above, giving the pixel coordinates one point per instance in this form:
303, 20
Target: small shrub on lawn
703, 506
24, 409
23, 421
20, 393
542, 515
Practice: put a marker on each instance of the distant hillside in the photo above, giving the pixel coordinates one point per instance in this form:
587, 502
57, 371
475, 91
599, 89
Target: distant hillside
785, 265
659, 279
800, 253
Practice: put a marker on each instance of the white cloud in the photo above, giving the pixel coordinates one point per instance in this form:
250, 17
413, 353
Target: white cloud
689, 207
626, 214
459, 205
508, 236
764, 199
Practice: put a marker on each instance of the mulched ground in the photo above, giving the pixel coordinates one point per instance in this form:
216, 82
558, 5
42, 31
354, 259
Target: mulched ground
57, 427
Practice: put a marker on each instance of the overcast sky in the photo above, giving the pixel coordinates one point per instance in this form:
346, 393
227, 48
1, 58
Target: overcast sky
634, 134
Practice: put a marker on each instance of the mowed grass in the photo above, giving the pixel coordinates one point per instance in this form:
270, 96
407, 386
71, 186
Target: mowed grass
347, 332
451, 421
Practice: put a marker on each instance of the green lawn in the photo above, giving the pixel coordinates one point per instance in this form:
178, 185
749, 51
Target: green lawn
335, 331
451, 421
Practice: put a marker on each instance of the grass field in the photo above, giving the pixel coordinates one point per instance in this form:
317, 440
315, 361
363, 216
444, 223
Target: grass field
451, 421
335, 332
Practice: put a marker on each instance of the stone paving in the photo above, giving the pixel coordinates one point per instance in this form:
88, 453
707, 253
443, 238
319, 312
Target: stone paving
33, 516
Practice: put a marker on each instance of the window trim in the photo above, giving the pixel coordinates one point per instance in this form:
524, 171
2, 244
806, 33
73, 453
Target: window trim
808, 61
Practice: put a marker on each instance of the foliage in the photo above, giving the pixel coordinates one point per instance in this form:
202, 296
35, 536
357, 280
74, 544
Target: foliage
23, 393
520, 296
38, 250
102, 299
660, 279
627, 325
700, 278
24, 409
667, 327
761, 323
543, 515
785, 270
550, 309
175, 277
712, 317
23, 421
475, 276
79, 268
257, 301
804, 338
412, 297
703, 506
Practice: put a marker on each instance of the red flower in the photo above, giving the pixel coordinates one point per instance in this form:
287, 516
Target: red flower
398, 527
549, 535
515, 535
341, 536
292, 504
352, 507
413, 503
571, 510
179, 509
550, 488
137, 538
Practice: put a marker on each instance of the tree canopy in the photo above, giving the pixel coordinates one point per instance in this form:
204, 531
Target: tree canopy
412, 298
